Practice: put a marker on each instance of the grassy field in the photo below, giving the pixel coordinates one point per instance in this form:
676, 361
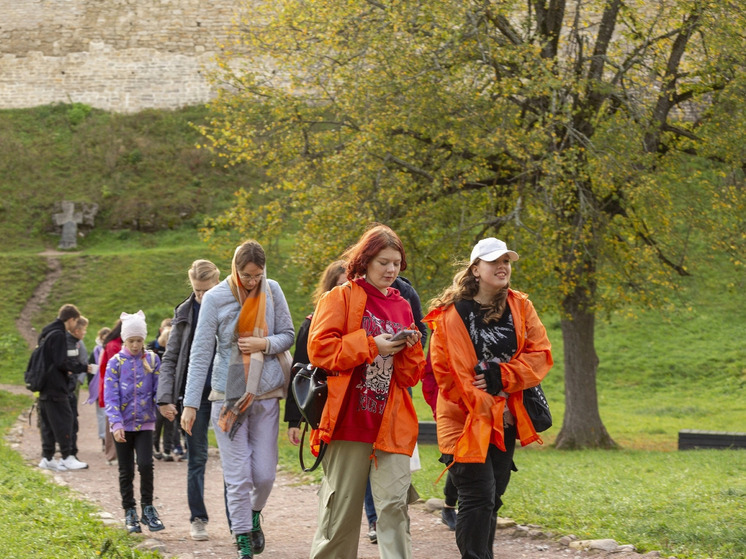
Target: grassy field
659, 373
43, 519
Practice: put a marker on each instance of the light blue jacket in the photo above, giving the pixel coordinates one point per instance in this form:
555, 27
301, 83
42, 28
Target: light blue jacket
217, 324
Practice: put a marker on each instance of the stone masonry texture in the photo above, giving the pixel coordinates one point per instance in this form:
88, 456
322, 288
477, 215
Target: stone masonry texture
116, 55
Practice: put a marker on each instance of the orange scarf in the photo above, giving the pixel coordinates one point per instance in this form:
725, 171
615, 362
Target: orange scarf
244, 370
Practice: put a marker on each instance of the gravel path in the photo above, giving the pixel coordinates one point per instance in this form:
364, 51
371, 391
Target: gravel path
289, 518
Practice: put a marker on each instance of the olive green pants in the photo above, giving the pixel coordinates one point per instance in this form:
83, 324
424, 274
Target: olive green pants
347, 467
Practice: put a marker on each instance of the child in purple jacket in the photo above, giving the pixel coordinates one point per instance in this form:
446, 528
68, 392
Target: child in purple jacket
130, 386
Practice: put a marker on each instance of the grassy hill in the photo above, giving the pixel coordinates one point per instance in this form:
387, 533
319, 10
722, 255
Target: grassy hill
659, 372
144, 171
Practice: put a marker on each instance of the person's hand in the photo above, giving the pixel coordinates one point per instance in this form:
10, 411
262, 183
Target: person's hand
119, 435
252, 344
491, 373
387, 347
188, 415
480, 382
413, 339
294, 435
168, 411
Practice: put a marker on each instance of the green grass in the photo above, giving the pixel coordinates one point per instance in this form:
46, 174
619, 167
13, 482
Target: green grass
143, 170
660, 371
659, 374
45, 520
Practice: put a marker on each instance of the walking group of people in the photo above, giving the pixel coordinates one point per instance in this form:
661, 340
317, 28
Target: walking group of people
227, 363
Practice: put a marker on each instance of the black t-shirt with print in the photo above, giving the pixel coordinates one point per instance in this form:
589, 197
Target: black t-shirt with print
492, 342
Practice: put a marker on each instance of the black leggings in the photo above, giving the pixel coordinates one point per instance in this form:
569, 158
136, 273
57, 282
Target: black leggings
140, 444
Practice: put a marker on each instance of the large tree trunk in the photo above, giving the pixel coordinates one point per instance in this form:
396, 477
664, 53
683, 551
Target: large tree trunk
582, 426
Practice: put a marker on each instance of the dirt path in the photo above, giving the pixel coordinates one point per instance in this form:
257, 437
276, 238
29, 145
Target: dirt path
38, 298
289, 518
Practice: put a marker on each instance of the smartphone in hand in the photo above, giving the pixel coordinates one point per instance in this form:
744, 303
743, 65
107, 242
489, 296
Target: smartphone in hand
401, 334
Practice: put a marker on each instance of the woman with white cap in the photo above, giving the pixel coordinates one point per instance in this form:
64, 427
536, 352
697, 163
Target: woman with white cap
487, 346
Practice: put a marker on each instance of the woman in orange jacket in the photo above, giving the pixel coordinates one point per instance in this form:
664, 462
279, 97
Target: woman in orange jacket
369, 421
487, 346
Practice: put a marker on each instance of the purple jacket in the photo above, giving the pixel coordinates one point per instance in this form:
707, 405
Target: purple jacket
130, 386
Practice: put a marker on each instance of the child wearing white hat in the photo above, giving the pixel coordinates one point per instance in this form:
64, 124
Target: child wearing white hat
130, 386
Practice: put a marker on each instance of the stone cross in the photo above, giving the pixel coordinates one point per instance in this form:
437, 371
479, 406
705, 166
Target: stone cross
68, 218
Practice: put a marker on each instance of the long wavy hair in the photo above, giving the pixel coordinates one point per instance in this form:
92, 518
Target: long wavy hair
465, 286
328, 279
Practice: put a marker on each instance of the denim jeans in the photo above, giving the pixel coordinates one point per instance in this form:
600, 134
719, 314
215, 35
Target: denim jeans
197, 462
370, 507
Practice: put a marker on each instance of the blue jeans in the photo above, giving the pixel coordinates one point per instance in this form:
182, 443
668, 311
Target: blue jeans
370, 507
197, 462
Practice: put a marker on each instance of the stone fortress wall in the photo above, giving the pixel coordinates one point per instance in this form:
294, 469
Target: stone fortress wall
116, 55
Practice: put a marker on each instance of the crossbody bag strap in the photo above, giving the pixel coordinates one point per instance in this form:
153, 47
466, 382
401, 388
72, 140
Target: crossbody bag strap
322, 450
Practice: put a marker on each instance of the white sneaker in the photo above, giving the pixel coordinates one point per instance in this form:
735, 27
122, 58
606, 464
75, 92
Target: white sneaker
198, 530
72, 463
52, 464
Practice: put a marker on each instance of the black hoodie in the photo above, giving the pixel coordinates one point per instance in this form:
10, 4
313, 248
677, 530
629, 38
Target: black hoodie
57, 362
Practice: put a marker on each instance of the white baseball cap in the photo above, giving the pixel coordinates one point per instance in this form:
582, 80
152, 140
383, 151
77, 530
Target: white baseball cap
490, 249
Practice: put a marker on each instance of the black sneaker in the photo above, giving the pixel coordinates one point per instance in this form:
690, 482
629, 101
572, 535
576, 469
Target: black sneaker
167, 457
257, 536
131, 521
243, 543
150, 519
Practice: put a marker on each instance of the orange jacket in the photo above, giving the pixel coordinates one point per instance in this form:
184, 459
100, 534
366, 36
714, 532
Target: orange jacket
336, 342
468, 419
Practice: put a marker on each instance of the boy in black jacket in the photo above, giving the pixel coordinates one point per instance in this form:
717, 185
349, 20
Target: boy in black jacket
55, 412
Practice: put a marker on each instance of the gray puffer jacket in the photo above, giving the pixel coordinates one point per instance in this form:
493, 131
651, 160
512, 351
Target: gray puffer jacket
217, 325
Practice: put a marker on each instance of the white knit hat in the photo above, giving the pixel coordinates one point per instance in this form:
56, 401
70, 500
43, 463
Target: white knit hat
133, 325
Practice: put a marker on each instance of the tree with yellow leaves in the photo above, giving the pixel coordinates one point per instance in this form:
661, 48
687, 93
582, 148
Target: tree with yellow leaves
553, 125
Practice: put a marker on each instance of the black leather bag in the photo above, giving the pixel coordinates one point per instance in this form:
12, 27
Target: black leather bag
537, 407
310, 392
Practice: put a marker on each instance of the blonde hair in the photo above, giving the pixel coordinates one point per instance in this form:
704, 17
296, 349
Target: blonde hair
203, 270
81, 322
465, 286
164, 334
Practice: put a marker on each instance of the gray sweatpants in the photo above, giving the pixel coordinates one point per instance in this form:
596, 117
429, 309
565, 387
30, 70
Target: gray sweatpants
249, 460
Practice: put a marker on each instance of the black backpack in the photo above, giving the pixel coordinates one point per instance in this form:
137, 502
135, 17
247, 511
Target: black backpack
35, 376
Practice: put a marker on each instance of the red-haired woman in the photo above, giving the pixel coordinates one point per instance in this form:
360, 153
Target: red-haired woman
369, 421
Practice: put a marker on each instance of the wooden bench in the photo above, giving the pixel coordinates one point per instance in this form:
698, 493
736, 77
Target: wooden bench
691, 439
